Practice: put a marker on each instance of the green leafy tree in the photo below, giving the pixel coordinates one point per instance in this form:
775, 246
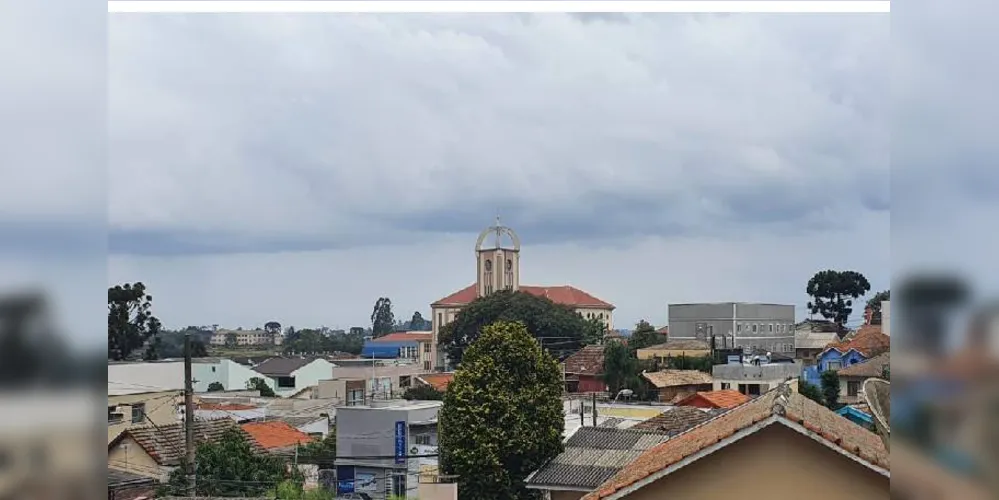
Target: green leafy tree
645, 335
833, 293
216, 387
418, 323
258, 384
231, 340
230, 467
321, 452
620, 366
875, 305
594, 331
130, 319
830, 389
272, 327
382, 319
423, 393
699, 363
810, 391
502, 414
558, 327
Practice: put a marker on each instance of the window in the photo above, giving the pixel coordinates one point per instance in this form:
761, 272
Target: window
138, 412
426, 347
113, 418
286, 382
422, 439
852, 388
738, 327
754, 328
771, 327
725, 386
426, 366
440, 319
834, 365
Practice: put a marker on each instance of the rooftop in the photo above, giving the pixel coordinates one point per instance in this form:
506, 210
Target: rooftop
779, 406
677, 420
681, 345
275, 434
439, 381
586, 361
593, 455
165, 443
564, 294
281, 367
873, 367
869, 341
406, 337
723, 399
670, 378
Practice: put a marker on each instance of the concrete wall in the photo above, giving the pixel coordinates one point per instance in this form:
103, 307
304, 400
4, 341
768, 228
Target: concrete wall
800, 463
128, 456
886, 317
160, 408
764, 326
437, 491
308, 376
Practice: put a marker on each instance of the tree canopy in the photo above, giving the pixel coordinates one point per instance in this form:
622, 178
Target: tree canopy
875, 305
382, 319
833, 292
830, 389
417, 323
561, 327
620, 367
645, 335
229, 467
502, 414
258, 384
130, 320
423, 393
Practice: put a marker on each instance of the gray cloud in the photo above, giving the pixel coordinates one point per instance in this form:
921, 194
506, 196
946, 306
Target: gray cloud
577, 128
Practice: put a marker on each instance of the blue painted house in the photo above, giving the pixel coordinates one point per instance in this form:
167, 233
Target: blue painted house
866, 344
412, 346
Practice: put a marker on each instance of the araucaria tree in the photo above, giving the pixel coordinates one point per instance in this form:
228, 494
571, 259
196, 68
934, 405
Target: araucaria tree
875, 305
833, 293
502, 415
382, 319
558, 328
130, 321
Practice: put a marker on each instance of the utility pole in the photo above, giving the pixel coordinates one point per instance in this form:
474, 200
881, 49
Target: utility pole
189, 416
594, 409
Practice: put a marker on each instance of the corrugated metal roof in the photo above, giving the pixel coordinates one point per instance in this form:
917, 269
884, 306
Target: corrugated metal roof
593, 455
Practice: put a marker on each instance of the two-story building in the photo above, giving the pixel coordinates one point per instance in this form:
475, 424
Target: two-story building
865, 344
293, 375
132, 405
749, 326
403, 432
416, 347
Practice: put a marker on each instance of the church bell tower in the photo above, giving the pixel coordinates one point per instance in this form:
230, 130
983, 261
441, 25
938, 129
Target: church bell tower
497, 261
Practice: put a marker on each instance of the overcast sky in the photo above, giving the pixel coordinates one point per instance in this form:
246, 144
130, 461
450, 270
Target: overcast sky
295, 168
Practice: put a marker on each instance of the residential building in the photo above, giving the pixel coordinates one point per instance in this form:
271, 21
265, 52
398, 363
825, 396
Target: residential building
724, 399
754, 378
732, 456
439, 381
235, 411
379, 379
811, 338
673, 385
851, 378
241, 338
592, 455
498, 268
749, 326
292, 375
169, 374
677, 419
675, 349
400, 431
127, 486
584, 370
414, 346
867, 343
155, 451
139, 406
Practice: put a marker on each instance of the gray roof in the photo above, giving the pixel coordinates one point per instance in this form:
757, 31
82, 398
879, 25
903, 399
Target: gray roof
118, 479
280, 367
593, 455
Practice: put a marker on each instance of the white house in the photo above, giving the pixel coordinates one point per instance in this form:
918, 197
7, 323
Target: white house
292, 375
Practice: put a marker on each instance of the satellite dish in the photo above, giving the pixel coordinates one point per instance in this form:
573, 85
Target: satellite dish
877, 393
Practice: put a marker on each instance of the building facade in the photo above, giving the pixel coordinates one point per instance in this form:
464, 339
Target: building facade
498, 268
405, 431
886, 317
413, 346
749, 326
245, 338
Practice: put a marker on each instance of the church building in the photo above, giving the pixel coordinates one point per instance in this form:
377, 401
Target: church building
497, 265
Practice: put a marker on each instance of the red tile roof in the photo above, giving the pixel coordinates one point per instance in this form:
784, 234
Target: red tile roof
868, 341
406, 337
726, 398
564, 294
787, 407
438, 381
586, 361
275, 434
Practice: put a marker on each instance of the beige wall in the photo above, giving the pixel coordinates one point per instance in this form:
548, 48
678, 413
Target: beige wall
437, 491
440, 316
130, 457
566, 495
594, 312
675, 353
776, 463
160, 409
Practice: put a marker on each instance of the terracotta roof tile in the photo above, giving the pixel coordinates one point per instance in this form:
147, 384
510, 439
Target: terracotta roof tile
868, 341
564, 294
275, 434
406, 337
438, 381
165, 444
670, 378
873, 367
586, 361
837, 431
726, 398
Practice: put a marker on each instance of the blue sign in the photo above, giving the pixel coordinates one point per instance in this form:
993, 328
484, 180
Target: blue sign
400, 442
345, 479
